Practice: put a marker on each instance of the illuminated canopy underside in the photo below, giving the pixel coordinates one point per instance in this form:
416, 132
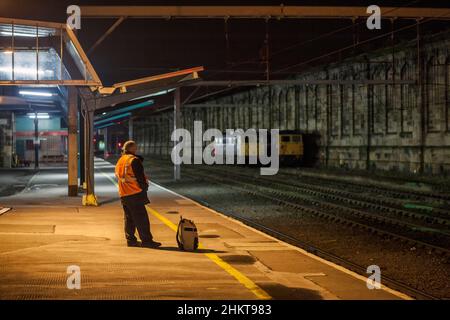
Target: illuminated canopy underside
42, 53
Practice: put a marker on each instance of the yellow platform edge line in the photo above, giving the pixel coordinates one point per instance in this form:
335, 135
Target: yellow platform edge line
163, 219
244, 280
306, 253
241, 278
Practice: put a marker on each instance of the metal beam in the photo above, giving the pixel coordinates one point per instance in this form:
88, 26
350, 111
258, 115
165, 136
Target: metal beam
16, 101
35, 83
33, 23
106, 34
251, 83
220, 105
297, 12
108, 101
192, 71
83, 56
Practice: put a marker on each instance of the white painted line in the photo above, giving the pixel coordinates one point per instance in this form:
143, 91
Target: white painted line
4, 210
29, 183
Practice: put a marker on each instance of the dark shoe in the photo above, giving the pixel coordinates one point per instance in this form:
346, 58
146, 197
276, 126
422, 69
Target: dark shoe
151, 244
134, 244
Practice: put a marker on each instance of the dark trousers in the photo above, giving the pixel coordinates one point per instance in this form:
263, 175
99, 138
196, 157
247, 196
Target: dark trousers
136, 218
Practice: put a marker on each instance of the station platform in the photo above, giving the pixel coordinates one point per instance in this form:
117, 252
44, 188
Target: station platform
46, 232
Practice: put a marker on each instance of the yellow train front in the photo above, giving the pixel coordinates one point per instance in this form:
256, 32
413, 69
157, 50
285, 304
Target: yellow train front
291, 147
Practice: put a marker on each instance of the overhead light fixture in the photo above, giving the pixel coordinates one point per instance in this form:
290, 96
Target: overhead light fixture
20, 34
36, 93
119, 116
159, 93
41, 115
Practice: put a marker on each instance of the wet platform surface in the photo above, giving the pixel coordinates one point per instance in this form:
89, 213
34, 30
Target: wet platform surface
46, 232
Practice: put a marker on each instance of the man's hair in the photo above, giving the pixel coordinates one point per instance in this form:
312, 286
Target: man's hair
127, 145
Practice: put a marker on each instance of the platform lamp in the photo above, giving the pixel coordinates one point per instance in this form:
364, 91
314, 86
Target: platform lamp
36, 140
36, 116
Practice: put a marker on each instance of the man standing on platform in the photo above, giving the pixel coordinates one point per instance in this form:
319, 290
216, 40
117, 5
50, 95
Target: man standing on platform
133, 188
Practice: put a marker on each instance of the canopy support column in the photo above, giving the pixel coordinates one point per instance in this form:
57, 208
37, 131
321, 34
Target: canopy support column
176, 124
72, 143
130, 128
89, 199
36, 141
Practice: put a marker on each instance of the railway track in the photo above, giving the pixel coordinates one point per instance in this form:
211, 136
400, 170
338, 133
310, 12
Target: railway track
358, 200
436, 215
389, 282
327, 203
388, 192
330, 212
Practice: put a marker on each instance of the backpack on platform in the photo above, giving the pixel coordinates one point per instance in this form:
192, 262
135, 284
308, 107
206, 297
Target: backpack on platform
187, 235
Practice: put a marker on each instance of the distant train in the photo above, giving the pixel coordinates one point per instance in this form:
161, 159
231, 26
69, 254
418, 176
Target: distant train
291, 147
291, 142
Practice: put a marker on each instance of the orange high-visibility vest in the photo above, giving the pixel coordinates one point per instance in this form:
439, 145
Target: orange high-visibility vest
128, 184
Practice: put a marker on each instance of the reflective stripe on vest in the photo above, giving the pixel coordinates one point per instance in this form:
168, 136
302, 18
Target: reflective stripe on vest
128, 184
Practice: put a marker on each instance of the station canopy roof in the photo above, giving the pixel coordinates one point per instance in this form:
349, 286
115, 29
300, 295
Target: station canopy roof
42, 53
38, 53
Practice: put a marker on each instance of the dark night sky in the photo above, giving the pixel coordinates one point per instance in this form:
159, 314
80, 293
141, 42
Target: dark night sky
141, 47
